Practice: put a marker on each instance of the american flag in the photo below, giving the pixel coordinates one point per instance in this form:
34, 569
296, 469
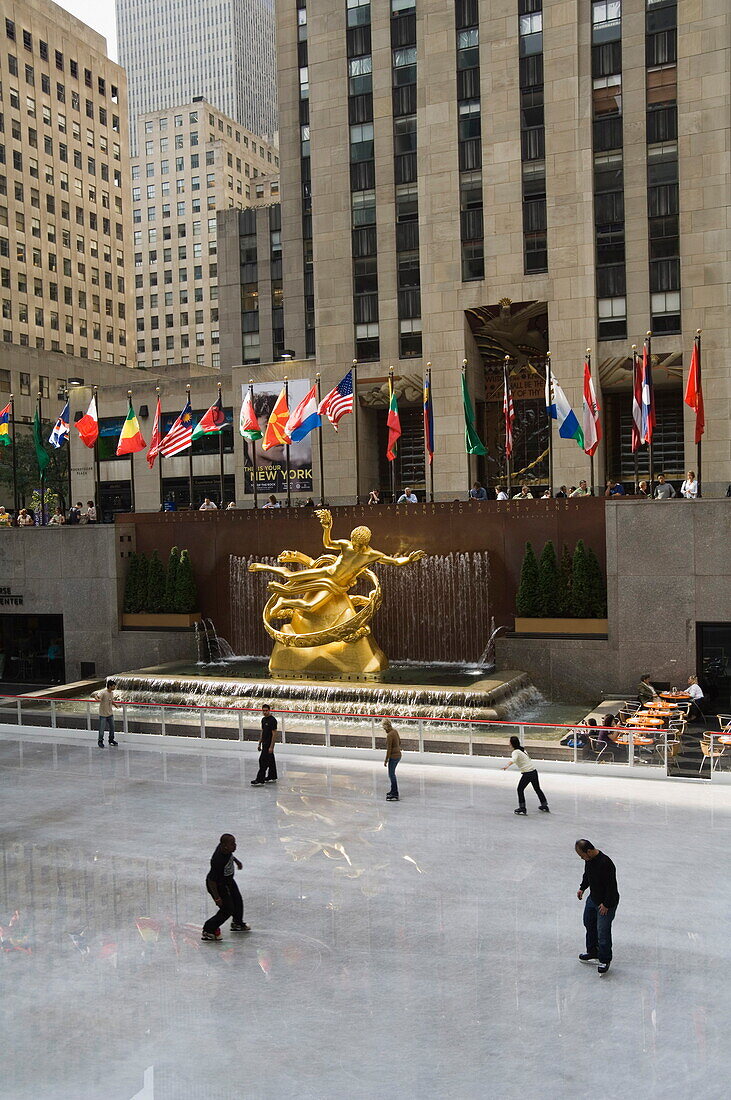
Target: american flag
509, 413
339, 401
179, 437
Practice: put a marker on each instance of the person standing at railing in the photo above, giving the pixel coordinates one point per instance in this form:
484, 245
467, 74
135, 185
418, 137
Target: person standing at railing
528, 774
267, 764
105, 698
393, 758
221, 885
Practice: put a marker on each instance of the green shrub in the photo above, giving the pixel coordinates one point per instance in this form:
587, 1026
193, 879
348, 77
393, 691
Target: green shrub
130, 584
186, 595
597, 586
548, 589
527, 601
564, 585
171, 579
583, 601
155, 591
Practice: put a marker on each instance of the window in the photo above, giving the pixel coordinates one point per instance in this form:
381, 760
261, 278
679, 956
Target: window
612, 318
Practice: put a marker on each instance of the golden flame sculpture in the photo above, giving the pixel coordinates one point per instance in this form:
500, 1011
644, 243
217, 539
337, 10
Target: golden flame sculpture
325, 631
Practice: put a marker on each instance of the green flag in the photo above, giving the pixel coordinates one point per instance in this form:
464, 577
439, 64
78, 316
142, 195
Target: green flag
41, 453
472, 441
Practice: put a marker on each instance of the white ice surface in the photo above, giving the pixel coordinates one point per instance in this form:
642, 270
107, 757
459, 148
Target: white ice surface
422, 949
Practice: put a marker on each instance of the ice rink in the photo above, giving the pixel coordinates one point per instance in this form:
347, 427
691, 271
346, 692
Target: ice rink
423, 949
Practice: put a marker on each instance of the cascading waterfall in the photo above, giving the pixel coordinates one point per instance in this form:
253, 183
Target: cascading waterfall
434, 610
210, 646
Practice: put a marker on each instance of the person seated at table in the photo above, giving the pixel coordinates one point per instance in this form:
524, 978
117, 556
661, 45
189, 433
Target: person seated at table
607, 738
576, 737
645, 691
696, 694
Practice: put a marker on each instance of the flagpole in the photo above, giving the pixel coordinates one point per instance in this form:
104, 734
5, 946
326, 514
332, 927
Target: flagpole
464, 391
430, 458
131, 463
634, 376
591, 457
220, 452
506, 370
190, 459
42, 472
68, 441
355, 426
286, 446
159, 456
550, 422
253, 451
393, 460
319, 445
97, 466
652, 406
699, 384
15, 457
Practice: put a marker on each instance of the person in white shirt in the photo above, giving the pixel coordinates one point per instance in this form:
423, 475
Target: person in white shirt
208, 506
528, 774
524, 494
106, 701
230, 506
90, 512
272, 503
501, 494
407, 497
696, 693
689, 488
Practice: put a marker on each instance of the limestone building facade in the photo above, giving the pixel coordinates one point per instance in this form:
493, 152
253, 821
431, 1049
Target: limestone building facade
489, 178
65, 219
193, 160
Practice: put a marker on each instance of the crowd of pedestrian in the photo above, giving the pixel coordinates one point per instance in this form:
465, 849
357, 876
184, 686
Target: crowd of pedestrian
77, 515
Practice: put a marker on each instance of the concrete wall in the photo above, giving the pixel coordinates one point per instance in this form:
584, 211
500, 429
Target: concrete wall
668, 568
76, 572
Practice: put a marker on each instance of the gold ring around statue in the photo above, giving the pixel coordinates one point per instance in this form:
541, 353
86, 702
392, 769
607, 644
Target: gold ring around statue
349, 631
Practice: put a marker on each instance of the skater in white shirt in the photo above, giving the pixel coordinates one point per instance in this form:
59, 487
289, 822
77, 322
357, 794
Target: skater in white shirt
528, 774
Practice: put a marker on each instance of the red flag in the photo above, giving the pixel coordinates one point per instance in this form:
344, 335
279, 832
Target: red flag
694, 392
393, 421
88, 426
276, 433
592, 424
636, 404
508, 413
156, 440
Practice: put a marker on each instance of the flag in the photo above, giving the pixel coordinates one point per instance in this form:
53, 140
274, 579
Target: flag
211, 422
592, 423
305, 418
180, 435
88, 426
636, 403
130, 438
5, 439
394, 424
428, 419
508, 412
339, 401
473, 443
557, 404
41, 454
648, 397
275, 434
248, 424
693, 394
60, 433
156, 439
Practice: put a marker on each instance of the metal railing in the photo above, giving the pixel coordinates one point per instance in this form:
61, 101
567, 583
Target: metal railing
422, 733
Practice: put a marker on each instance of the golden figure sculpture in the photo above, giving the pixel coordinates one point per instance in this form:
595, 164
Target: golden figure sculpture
325, 630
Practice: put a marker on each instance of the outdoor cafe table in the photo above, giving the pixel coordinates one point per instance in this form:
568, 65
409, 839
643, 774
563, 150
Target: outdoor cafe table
676, 695
659, 709
637, 739
646, 721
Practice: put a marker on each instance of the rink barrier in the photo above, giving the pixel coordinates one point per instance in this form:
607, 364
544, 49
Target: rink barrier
419, 736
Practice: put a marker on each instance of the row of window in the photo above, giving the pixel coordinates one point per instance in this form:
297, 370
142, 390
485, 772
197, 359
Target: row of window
73, 67
532, 137
408, 276
306, 179
193, 119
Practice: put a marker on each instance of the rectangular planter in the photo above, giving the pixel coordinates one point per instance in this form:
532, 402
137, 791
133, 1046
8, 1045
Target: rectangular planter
160, 622
560, 626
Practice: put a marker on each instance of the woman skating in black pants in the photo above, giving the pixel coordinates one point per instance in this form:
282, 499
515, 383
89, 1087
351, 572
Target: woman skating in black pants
528, 774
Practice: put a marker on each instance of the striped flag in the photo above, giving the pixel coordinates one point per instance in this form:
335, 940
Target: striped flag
60, 433
88, 425
393, 421
648, 396
130, 438
636, 404
180, 435
339, 401
508, 412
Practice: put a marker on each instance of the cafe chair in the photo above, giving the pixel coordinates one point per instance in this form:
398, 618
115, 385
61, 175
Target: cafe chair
724, 723
601, 750
674, 749
713, 755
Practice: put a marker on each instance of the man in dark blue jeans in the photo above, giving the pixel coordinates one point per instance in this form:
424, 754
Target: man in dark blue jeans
600, 878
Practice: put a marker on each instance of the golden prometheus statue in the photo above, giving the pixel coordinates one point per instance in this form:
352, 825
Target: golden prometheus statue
325, 630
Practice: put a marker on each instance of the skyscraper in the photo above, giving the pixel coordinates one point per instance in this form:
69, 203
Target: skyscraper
176, 50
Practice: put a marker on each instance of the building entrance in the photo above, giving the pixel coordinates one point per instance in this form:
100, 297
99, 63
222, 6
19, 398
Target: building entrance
31, 649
